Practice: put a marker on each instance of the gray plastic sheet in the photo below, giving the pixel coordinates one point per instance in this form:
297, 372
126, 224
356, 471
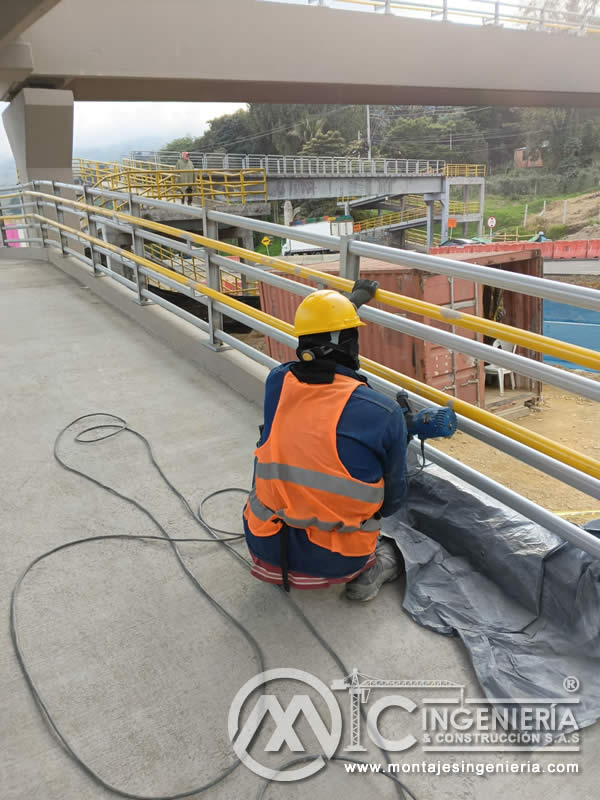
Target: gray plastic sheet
525, 604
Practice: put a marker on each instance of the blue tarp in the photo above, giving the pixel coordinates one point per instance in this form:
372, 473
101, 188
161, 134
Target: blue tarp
525, 604
571, 324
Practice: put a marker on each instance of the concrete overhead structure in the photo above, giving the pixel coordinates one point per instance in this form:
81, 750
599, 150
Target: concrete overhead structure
139, 50
39, 126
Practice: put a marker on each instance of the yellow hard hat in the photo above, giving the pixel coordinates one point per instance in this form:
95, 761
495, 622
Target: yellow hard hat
324, 311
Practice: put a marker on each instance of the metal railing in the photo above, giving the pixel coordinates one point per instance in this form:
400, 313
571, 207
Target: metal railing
195, 268
133, 269
536, 15
389, 220
457, 208
419, 237
166, 183
414, 210
309, 166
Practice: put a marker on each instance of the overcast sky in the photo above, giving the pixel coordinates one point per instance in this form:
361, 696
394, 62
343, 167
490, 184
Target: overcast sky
111, 123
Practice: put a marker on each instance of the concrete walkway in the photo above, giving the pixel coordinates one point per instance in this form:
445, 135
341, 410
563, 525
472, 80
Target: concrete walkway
571, 268
137, 668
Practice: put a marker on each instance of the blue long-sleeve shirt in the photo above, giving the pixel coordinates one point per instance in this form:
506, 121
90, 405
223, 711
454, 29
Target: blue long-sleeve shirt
371, 444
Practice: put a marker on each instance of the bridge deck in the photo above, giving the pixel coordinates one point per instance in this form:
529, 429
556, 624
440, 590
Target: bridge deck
138, 669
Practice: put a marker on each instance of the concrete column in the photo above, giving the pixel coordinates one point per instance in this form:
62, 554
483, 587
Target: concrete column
445, 206
430, 221
481, 208
288, 212
39, 127
465, 201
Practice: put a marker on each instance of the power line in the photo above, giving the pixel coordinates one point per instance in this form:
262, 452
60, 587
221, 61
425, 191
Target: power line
316, 115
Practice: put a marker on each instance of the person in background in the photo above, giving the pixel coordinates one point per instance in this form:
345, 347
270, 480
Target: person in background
185, 180
331, 460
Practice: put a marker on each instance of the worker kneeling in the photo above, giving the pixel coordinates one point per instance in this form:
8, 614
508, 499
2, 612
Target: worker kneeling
331, 460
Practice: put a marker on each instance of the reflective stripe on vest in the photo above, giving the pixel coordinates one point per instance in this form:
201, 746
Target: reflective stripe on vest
300, 479
312, 479
266, 515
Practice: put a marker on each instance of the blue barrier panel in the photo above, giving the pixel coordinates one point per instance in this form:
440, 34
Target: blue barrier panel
570, 324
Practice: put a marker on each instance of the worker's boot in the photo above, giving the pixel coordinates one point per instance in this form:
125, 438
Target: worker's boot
387, 567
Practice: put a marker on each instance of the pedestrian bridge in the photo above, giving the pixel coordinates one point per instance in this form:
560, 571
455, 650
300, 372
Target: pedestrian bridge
235, 178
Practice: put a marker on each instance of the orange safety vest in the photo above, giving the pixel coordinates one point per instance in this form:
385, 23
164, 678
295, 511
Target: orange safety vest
300, 479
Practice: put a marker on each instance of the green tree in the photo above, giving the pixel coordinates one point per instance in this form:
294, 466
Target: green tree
325, 144
455, 140
181, 144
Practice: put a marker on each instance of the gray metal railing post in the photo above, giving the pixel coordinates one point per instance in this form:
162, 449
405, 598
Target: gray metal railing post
445, 11
349, 262
213, 281
497, 12
137, 247
93, 231
60, 217
38, 211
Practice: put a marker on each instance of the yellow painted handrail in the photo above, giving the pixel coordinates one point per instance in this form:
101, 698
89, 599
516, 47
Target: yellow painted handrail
466, 170
531, 341
389, 219
532, 439
162, 182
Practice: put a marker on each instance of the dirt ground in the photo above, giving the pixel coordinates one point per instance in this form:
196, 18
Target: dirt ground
566, 418
580, 211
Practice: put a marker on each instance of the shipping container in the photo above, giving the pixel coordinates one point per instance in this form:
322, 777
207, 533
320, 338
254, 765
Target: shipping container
457, 374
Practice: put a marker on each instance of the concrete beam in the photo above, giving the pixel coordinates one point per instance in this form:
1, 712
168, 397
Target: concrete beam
301, 188
16, 63
120, 54
18, 16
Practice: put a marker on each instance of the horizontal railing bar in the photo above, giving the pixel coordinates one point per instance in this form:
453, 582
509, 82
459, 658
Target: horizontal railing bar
282, 231
550, 466
546, 464
494, 355
485, 352
567, 293
173, 244
185, 281
533, 341
534, 458
246, 349
569, 532
174, 309
261, 274
187, 290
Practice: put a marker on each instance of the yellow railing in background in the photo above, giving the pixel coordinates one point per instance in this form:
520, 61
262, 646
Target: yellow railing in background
466, 170
194, 268
408, 215
231, 187
419, 237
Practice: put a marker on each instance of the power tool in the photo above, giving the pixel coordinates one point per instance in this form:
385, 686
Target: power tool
428, 423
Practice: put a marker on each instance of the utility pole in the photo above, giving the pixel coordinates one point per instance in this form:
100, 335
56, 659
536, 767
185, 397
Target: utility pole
369, 154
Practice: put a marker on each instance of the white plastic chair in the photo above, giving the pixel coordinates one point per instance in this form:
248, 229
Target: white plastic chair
493, 369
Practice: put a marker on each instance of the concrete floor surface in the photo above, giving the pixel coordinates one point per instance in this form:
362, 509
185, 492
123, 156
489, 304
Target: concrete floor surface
137, 667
